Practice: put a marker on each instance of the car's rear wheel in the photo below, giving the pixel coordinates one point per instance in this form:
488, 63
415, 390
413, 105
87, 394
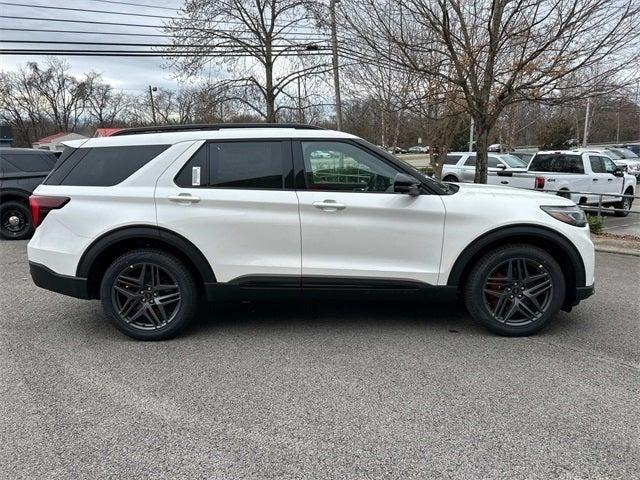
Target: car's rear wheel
449, 178
15, 221
149, 294
515, 290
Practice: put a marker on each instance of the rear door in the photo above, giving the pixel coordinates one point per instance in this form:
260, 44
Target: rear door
235, 201
354, 225
468, 169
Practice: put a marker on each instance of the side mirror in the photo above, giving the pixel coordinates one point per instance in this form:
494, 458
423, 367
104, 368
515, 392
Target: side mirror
618, 172
502, 166
404, 183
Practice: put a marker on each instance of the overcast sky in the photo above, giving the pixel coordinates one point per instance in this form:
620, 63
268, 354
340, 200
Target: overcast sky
126, 73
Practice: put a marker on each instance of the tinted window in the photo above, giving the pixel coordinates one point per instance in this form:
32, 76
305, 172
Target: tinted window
596, 164
248, 165
196, 172
30, 162
345, 167
452, 159
471, 161
556, 162
104, 166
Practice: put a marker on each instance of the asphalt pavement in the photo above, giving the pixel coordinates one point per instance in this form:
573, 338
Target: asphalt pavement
308, 390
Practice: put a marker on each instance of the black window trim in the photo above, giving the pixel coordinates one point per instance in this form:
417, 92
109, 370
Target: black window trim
287, 161
300, 170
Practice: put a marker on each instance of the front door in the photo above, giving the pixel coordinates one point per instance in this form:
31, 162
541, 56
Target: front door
354, 225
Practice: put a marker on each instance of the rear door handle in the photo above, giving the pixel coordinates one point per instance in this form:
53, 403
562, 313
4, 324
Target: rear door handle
609, 179
329, 205
595, 179
184, 197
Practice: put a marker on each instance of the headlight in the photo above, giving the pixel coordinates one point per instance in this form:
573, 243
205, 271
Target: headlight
573, 215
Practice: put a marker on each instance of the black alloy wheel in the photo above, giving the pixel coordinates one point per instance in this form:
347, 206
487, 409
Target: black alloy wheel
518, 291
515, 289
146, 296
149, 294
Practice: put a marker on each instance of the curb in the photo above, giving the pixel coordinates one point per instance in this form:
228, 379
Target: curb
619, 251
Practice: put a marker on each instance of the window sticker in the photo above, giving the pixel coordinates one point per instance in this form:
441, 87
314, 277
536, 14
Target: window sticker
195, 176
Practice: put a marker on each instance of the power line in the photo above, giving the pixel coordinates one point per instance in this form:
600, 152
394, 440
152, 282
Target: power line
159, 35
141, 53
120, 24
135, 4
129, 44
129, 14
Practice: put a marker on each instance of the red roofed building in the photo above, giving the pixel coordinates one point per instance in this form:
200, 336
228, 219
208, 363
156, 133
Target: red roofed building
106, 132
54, 143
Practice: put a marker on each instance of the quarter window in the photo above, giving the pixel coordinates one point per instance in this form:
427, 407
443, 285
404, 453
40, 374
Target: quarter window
339, 166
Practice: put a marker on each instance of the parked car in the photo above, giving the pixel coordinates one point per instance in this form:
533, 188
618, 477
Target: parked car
419, 149
21, 171
624, 158
396, 150
461, 166
153, 218
562, 172
634, 147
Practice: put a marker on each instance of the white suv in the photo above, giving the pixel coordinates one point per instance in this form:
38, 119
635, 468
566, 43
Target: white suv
152, 219
461, 166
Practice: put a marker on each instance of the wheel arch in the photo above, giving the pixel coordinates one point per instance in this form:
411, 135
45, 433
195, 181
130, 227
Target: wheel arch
110, 245
8, 194
556, 244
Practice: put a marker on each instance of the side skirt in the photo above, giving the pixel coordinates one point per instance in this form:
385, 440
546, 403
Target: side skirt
282, 287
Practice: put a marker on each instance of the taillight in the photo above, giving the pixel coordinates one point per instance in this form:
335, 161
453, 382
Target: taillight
539, 183
41, 205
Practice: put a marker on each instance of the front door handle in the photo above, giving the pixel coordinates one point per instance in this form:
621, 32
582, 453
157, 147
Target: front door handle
329, 205
184, 197
595, 179
610, 179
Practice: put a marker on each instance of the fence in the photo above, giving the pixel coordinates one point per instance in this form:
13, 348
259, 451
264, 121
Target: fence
592, 207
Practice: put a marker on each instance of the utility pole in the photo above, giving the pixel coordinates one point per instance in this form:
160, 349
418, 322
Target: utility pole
473, 125
153, 109
586, 123
300, 111
336, 75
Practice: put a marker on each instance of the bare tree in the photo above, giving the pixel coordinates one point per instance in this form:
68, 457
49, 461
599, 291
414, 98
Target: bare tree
254, 40
499, 52
104, 105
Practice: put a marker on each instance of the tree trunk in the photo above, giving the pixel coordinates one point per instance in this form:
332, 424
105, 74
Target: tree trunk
482, 147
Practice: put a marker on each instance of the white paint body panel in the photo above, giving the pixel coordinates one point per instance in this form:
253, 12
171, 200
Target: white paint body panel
380, 235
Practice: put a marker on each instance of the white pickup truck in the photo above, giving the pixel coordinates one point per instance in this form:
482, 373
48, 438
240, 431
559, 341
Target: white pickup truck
561, 172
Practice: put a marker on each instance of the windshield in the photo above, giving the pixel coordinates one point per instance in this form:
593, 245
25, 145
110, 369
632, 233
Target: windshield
513, 161
625, 153
614, 154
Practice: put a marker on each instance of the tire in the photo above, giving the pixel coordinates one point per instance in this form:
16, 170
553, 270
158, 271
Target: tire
449, 178
15, 221
564, 194
501, 303
139, 313
625, 205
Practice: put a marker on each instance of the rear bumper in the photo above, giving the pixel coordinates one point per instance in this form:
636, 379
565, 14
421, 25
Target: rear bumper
46, 278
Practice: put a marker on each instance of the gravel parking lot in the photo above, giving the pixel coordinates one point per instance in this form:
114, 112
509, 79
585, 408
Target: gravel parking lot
319, 390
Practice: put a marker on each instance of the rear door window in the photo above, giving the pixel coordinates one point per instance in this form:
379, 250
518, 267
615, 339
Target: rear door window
251, 165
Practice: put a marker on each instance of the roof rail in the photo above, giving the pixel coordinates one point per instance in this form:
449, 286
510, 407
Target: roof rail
210, 126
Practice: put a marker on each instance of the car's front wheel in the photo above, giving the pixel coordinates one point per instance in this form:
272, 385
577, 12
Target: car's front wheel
149, 294
515, 290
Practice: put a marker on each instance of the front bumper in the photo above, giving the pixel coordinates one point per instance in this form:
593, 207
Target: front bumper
46, 278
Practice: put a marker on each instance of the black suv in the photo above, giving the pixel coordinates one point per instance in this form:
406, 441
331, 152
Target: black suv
21, 171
